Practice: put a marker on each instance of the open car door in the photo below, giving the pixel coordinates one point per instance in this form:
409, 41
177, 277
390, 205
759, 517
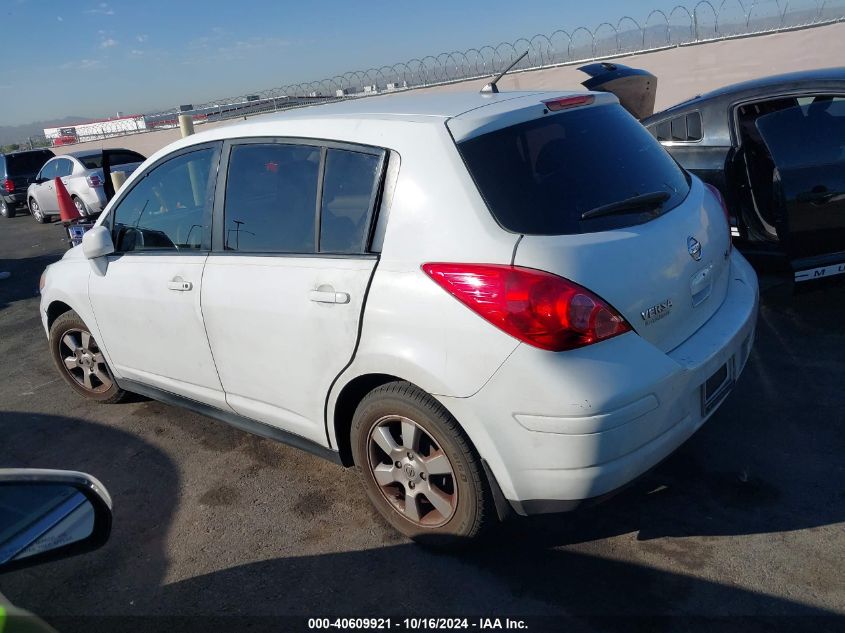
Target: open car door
636, 89
807, 146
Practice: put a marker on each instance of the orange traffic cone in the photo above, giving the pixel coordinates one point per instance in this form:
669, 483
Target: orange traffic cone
67, 210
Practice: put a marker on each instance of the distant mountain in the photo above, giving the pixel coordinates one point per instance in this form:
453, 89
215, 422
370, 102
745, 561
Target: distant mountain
19, 133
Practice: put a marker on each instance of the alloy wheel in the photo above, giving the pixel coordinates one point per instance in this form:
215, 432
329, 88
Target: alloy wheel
35, 210
412, 471
4, 210
84, 361
80, 206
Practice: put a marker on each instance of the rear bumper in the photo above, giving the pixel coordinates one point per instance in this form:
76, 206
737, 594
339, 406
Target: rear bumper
557, 429
94, 199
15, 200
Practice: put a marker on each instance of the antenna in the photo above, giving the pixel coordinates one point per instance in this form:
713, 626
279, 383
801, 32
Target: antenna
491, 87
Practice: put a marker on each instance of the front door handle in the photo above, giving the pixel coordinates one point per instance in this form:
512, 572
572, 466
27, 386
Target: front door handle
179, 284
328, 296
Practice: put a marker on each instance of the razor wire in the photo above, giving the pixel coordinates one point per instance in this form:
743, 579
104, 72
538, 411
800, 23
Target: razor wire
705, 21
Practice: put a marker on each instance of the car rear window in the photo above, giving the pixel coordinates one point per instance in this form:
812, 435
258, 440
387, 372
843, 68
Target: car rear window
95, 161
539, 177
26, 163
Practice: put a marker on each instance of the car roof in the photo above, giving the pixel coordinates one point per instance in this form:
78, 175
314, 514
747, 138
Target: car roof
472, 108
772, 83
442, 105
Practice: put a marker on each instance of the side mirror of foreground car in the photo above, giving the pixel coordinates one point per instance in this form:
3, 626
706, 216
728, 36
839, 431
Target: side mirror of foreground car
97, 242
46, 515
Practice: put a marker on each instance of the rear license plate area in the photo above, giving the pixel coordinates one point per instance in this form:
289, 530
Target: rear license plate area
716, 387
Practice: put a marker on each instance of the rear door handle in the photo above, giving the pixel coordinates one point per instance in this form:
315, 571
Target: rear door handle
179, 285
328, 296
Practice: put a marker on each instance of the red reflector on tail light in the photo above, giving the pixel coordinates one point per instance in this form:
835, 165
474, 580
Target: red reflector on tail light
718, 195
534, 306
555, 105
9, 185
94, 180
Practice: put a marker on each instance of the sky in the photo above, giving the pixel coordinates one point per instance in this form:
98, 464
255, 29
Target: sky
92, 58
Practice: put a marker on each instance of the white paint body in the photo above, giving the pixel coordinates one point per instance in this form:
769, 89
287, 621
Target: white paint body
553, 427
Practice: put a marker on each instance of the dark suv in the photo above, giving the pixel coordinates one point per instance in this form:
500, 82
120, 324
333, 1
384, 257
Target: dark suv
17, 171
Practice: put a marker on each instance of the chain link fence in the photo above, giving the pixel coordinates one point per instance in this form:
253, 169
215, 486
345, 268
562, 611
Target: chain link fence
707, 20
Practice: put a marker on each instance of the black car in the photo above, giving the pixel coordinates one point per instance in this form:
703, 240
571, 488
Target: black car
17, 172
774, 147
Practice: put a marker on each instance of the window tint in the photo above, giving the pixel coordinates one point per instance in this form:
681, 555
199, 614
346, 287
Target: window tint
271, 198
803, 136
165, 210
49, 170
348, 188
26, 163
539, 177
64, 167
95, 161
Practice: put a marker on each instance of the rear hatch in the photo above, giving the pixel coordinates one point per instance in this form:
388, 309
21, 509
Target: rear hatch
23, 167
661, 260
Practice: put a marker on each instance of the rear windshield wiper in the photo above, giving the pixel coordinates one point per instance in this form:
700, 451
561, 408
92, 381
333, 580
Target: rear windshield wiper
651, 200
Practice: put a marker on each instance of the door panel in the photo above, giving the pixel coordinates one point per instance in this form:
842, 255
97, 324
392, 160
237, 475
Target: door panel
281, 329
147, 300
147, 307
807, 145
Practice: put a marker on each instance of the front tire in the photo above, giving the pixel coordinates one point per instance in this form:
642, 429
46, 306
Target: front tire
80, 360
418, 467
6, 211
37, 213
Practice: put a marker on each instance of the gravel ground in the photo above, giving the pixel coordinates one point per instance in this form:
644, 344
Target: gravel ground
743, 524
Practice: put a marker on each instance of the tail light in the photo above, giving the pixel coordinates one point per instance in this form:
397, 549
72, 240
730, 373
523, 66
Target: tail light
564, 103
9, 185
94, 180
534, 306
718, 195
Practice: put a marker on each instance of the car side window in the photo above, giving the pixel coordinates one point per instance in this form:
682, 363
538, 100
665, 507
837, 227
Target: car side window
64, 167
686, 128
348, 195
48, 172
166, 209
271, 198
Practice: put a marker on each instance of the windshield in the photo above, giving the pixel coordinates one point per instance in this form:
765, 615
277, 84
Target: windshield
26, 163
542, 176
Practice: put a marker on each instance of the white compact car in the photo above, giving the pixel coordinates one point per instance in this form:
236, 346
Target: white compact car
82, 175
484, 302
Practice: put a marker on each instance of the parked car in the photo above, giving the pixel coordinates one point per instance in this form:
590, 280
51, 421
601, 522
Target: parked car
17, 172
485, 302
82, 174
775, 149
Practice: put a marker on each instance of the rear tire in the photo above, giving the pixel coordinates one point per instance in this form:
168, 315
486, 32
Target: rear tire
37, 213
80, 360
419, 468
80, 206
6, 211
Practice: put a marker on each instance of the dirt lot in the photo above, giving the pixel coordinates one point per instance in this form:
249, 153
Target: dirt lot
745, 520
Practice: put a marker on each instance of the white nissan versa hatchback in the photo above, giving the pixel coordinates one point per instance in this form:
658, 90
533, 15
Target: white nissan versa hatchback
483, 302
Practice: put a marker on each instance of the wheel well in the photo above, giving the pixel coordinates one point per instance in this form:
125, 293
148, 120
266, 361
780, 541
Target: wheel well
348, 400
55, 310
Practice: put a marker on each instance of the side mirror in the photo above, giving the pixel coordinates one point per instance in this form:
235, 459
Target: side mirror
50, 514
97, 242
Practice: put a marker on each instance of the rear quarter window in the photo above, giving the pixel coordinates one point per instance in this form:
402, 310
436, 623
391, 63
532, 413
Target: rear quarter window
541, 176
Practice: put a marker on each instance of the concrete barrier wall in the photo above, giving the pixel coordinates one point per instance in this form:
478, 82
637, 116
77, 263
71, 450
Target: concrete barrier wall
682, 72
